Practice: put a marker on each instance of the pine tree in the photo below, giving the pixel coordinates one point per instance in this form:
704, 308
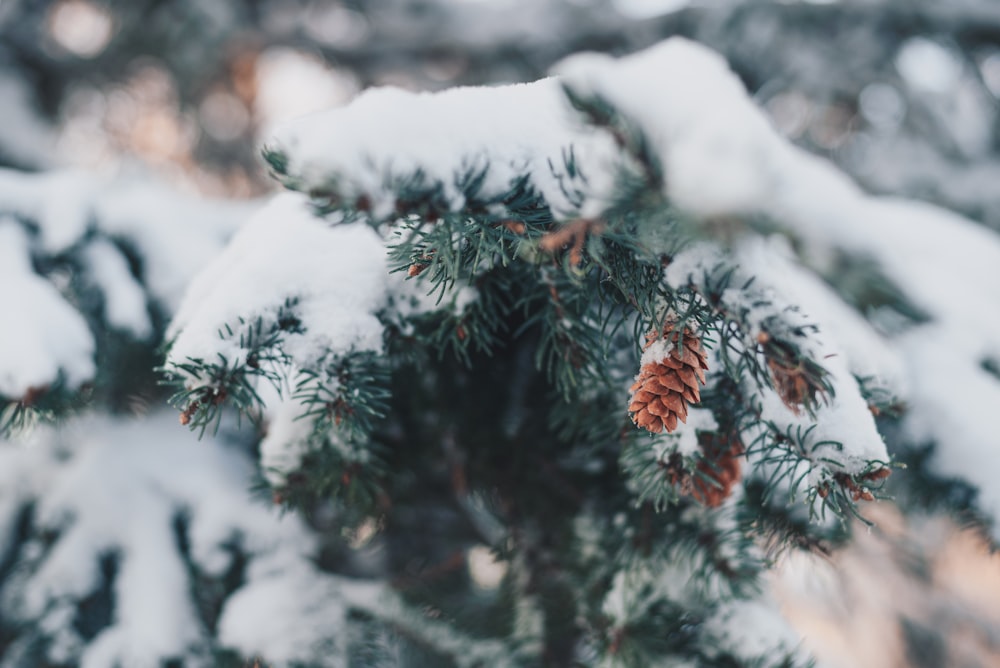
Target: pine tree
605, 328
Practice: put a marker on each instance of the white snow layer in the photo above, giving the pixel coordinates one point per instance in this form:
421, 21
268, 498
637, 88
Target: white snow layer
43, 337
337, 277
845, 434
750, 629
387, 134
684, 439
115, 487
58, 202
697, 115
753, 630
175, 234
287, 438
80, 216
124, 300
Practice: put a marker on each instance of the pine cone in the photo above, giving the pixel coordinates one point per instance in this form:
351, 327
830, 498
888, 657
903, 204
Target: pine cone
719, 471
716, 474
791, 385
800, 385
668, 380
797, 380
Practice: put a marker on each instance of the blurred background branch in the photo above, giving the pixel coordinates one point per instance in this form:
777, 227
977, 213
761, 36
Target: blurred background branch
902, 95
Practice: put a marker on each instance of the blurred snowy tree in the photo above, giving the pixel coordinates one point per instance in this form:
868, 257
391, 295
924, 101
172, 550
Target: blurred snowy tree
901, 94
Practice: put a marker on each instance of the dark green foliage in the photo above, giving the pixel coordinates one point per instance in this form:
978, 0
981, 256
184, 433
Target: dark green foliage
925, 647
19, 535
235, 379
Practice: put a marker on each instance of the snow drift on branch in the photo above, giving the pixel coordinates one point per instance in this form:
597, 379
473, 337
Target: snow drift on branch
387, 136
67, 230
332, 281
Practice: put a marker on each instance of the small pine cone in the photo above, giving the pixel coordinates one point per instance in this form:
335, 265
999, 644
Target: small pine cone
860, 489
667, 383
719, 471
797, 379
791, 385
419, 264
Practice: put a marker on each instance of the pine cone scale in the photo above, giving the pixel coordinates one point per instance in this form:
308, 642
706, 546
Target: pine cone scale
670, 383
658, 409
687, 376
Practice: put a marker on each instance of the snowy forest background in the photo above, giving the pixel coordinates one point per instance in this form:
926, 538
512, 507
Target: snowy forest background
138, 125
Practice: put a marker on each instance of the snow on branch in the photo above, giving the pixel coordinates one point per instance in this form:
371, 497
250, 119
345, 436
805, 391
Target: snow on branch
288, 296
334, 280
44, 339
115, 492
83, 258
467, 146
747, 627
755, 295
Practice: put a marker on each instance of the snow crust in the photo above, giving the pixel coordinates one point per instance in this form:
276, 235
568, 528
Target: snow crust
286, 441
751, 629
289, 615
59, 202
334, 276
176, 234
684, 440
697, 115
511, 131
124, 299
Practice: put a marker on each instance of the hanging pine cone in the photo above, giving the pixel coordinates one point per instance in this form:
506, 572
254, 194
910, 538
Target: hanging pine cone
668, 380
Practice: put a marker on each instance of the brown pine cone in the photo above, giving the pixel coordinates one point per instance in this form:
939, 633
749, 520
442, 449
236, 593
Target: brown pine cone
797, 380
791, 385
717, 473
668, 380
